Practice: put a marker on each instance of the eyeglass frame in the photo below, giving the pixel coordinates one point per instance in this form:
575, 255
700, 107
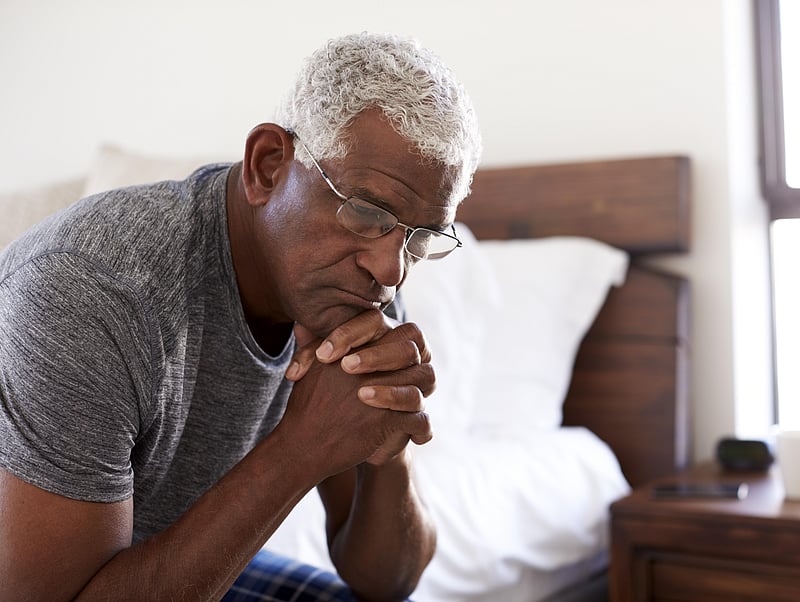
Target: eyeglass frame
409, 230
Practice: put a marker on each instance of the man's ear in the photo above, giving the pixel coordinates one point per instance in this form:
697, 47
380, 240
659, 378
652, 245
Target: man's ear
268, 148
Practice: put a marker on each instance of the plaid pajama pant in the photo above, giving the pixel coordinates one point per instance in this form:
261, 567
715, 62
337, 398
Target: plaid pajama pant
273, 578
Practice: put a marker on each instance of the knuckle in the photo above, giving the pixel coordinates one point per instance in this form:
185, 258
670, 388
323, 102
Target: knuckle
409, 330
428, 379
416, 397
411, 352
343, 334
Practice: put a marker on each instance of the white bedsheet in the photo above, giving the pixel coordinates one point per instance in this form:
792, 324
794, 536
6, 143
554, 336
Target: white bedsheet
505, 510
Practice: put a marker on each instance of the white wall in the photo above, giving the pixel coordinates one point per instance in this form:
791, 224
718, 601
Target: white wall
552, 81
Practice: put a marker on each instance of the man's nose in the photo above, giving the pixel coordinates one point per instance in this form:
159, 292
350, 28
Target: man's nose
385, 257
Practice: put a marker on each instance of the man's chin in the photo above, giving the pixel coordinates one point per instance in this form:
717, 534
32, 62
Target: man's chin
329, 319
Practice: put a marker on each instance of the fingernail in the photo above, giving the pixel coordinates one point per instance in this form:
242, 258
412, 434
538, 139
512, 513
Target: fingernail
293, 371
366, 393
325, 351
351, 362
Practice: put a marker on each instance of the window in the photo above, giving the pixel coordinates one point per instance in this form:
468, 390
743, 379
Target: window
778, 47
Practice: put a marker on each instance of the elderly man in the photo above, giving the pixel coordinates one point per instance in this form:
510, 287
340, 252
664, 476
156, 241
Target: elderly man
181, 362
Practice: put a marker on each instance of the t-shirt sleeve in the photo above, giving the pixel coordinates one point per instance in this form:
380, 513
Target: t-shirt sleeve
75, 377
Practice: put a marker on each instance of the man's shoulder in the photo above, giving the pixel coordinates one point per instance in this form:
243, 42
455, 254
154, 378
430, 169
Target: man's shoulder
137, 229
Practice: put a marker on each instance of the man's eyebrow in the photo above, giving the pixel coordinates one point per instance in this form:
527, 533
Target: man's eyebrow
368, 195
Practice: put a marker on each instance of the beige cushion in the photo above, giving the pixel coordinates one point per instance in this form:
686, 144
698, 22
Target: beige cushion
21, 210
114, 167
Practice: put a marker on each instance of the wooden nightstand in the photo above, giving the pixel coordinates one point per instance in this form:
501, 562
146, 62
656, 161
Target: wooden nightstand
707, 550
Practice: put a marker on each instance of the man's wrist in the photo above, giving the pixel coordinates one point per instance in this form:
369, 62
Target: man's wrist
398, 465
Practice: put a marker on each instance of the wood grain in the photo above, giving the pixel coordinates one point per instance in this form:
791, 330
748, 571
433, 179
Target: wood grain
640, 205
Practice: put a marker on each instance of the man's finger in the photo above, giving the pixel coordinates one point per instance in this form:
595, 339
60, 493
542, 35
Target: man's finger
400, 398
302, 335
304, 356
364, 328
394, 355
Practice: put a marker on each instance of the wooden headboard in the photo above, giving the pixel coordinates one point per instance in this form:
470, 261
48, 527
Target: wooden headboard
630, 381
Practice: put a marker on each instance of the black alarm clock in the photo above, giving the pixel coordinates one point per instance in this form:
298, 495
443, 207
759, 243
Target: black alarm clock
744, 455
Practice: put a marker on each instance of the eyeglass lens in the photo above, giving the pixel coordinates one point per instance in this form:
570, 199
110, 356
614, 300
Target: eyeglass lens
369, 220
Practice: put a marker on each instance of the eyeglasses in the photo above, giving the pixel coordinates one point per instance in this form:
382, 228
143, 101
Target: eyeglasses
371, 221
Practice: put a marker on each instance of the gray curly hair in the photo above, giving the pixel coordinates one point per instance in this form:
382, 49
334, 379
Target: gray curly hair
414, 89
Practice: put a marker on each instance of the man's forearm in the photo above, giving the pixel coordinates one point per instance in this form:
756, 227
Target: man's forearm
388, 539
200, 555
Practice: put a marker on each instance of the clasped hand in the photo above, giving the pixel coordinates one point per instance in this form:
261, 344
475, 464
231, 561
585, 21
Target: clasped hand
362, 388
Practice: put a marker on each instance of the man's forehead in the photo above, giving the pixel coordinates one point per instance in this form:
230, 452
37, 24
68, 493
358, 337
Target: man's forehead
375, 146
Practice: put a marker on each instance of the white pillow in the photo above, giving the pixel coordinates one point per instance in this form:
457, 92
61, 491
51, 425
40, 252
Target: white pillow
114, 167
450, 300
551, 290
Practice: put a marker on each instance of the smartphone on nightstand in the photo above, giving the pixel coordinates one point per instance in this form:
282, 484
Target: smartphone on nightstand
736, 491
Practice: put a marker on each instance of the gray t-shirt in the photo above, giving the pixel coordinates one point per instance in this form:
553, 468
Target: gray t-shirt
126, 364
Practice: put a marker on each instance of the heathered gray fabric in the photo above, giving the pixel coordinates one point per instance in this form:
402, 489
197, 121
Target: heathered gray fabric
126, 365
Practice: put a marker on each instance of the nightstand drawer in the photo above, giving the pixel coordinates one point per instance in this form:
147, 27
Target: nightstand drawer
703, 579
706, 550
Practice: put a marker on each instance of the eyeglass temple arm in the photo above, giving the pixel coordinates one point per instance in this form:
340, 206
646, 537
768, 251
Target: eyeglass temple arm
455, 235
321, 171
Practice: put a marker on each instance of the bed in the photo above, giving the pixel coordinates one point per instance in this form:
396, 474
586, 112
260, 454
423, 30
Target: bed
562, 365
